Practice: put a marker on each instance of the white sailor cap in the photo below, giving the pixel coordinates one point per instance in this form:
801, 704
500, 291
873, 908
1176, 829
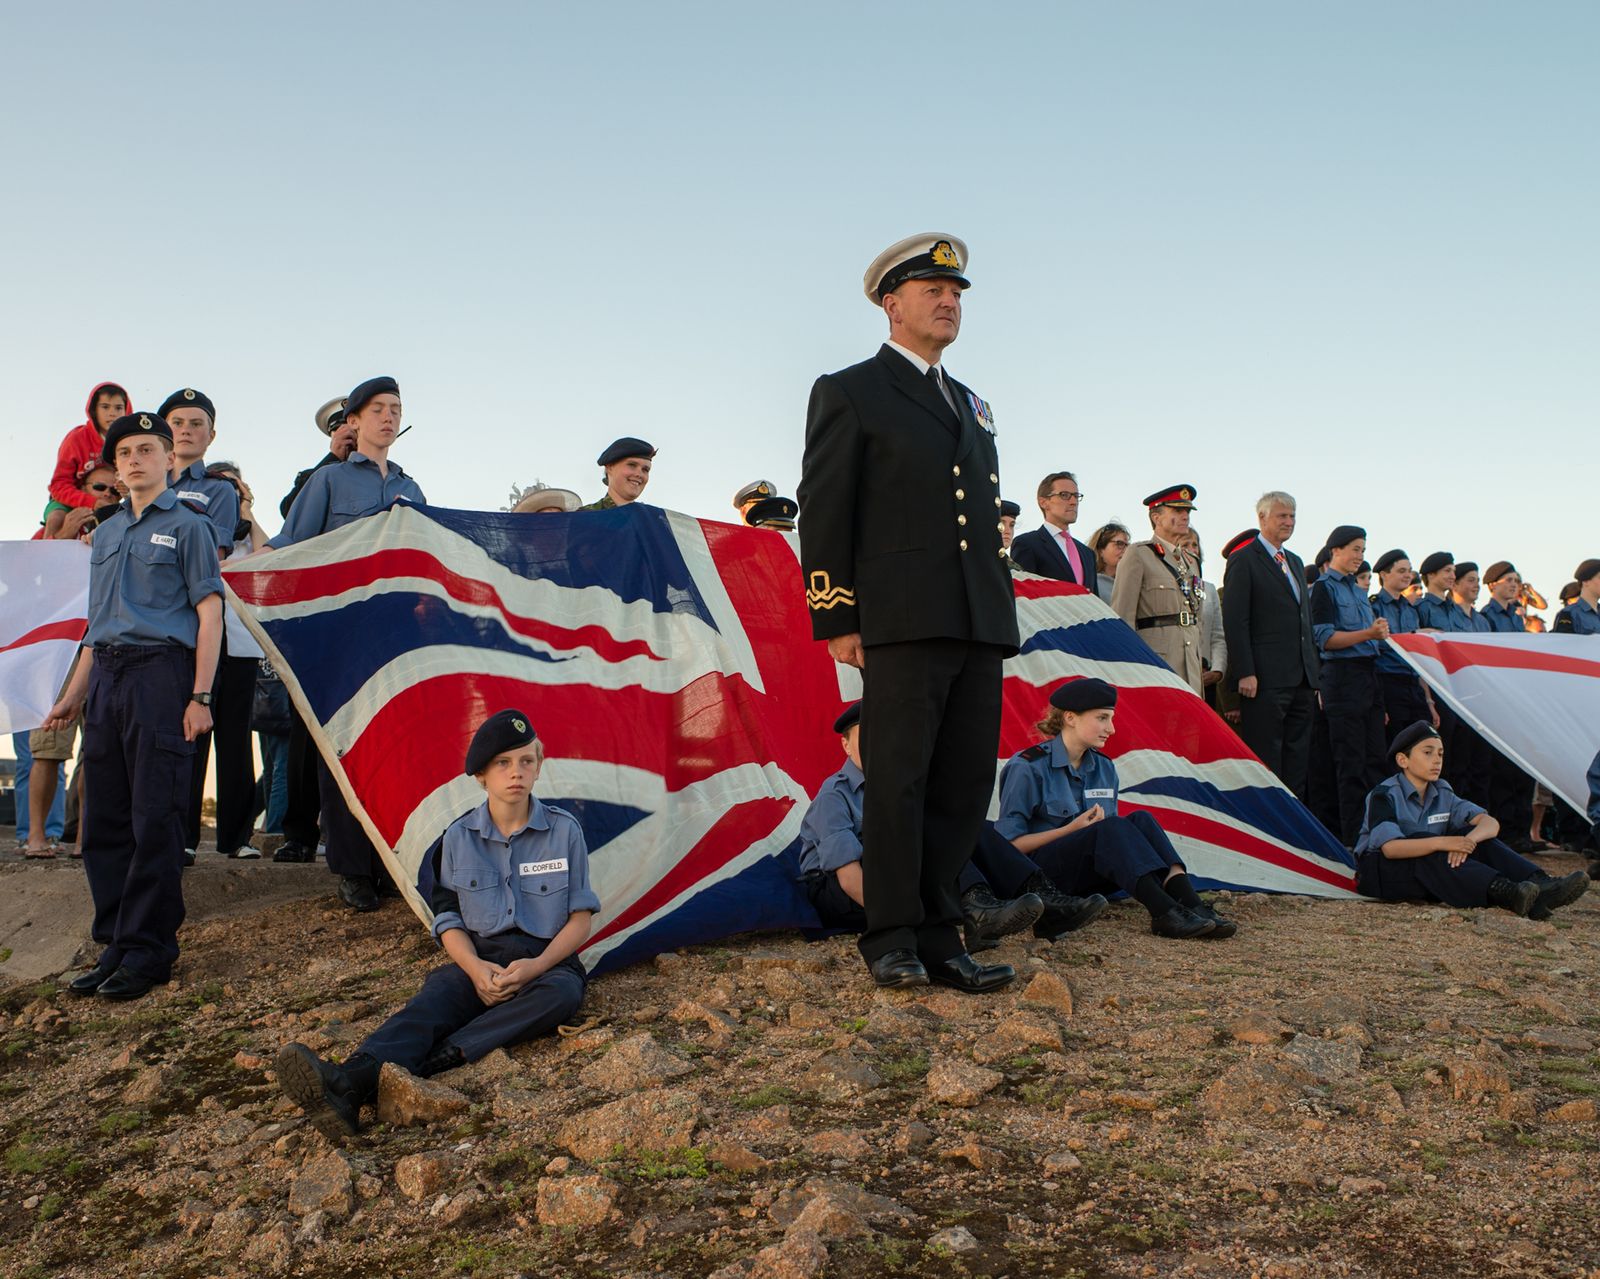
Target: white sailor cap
916, 258
330, 415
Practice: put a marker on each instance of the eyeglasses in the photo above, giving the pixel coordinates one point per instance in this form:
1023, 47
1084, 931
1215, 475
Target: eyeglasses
1121, 543
1066, 497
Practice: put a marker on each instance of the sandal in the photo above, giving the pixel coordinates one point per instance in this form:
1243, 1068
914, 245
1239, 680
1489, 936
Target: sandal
47, 853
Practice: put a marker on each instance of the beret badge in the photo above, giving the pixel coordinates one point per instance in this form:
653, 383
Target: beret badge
519, 725
145, 422
188, 393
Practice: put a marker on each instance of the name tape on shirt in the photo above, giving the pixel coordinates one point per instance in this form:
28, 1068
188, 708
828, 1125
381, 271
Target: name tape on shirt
554, 866
162, 539
1100, 794
1438, 818
190, 495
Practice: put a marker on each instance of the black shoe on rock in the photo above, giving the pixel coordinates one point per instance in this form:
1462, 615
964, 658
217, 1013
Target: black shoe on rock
91, 981
321, 1089
289, 851
966, 974
127, 984
442, 1057
1181, 923
898, 968
1519, 899
357, 892
988, 919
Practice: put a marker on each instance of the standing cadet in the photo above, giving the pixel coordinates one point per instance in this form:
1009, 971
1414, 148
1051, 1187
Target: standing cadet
1405, 696
906, 579
625, 465
1466, 754
1510, 789
363, 484
149, 656
1348, 639
1009, 511
1158, 590
1582, 615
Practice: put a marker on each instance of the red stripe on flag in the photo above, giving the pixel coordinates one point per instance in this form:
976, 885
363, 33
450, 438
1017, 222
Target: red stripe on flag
1044, 589
735, 830
1456, 656
269, 588
71, 628
1235, 839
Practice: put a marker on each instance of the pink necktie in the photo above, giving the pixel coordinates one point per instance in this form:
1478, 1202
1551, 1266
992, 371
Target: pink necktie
1073, 558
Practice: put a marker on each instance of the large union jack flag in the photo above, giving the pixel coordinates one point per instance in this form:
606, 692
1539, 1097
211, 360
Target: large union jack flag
668, 667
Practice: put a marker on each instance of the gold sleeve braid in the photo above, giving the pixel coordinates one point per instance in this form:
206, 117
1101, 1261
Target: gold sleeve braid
823, 594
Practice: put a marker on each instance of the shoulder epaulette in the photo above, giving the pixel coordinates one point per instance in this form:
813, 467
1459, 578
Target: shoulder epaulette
1035, 752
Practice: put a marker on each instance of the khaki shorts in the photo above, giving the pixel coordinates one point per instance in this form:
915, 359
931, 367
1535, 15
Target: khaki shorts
54, 743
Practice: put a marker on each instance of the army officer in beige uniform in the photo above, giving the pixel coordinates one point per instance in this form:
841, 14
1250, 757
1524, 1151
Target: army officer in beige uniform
1158, 589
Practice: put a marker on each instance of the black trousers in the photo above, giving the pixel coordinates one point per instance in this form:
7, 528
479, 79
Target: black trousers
137, 774
304, 802
1510, 797
233, 693
1276, 725
930, 731
1468, 759
1354, 706
1322, 784
1431, 879
350, 851
1403, 703
1114, 854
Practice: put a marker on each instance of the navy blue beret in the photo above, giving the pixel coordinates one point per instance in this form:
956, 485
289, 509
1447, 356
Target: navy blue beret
369, 390
189, 398
503, 731
1344, 535
1011, 509
1407, 738
627, 446
133, 424
849, 717
1586, 570
1389, 559
1463, 567
1082, 695
1437, 561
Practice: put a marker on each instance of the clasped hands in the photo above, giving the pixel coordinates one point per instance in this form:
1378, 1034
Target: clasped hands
496, 983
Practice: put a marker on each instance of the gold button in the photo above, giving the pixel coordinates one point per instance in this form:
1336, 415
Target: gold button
1002, 552
955, 470
961, 495
961, 519
1001, 527
963, 544
993, 478
997, 501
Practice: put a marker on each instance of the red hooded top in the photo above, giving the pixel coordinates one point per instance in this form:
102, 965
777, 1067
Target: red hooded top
80, 450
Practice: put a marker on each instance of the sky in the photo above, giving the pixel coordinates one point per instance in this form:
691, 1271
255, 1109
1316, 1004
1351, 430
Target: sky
1344, 250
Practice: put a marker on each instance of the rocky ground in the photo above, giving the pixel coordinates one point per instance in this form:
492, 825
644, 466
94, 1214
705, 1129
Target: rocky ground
1343, 1089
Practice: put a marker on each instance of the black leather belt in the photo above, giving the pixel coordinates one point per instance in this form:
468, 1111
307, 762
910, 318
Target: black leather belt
1167, 619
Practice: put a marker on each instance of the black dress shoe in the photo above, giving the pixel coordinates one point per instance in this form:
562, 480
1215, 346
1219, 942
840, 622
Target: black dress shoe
358, 893
898, 968
1225, 927
1181, 923
988, 919
127, 984
91, 981
440, 1058
289, 851
967, 974
321, 1089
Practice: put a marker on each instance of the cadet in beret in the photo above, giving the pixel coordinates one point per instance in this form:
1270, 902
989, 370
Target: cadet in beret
1420, 841
1405, 697
1582, 615
1349, 639
831, 853
1464, 595
1466, 754
1058, 805
364, 484
906, 579
1510, 789
1158, 590
1009, 511
511, 906
1436, 609
625, 466
148, 660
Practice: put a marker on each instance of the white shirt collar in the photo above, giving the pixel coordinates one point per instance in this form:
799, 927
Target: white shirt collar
921, 365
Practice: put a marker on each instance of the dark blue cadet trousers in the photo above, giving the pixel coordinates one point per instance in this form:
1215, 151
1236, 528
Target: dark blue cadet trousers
1404, 703
350, 849
447, 1008
137, 773
1353, 703
1115, 853
1430, 879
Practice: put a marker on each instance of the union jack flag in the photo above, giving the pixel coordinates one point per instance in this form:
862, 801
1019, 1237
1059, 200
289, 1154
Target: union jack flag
668, 668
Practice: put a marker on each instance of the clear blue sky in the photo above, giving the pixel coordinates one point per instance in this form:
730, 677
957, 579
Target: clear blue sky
1348, 250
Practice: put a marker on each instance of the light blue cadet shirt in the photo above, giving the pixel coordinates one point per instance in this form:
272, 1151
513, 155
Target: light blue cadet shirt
830, 834
531, 882
1443, 615
1583, 617
213, 499
338, 495
1396, 811
1041, 790
146, 575
1403, 619
1340, 606
1501, 619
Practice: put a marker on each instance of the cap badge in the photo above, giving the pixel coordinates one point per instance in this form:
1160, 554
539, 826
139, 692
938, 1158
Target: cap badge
146, 423
944, 255
519, 725
188, 394
1185, 494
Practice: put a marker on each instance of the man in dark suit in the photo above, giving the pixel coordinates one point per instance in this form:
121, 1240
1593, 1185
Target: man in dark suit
1271, 653
1052, 551
907, 580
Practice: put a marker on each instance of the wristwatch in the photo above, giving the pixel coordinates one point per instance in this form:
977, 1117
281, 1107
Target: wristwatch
203, 698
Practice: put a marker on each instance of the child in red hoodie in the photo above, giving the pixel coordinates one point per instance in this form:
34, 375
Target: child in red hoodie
80, 450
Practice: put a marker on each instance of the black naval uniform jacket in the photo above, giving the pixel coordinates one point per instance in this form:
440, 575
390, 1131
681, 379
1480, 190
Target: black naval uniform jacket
900, 511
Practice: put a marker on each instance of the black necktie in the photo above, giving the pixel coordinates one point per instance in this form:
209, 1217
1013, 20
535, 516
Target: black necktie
939, 386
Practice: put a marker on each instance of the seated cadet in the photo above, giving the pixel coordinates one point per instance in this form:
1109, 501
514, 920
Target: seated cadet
830, 861
1420, 841
1581, 615
516, 972
625, 464
143, 679
1058, 804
